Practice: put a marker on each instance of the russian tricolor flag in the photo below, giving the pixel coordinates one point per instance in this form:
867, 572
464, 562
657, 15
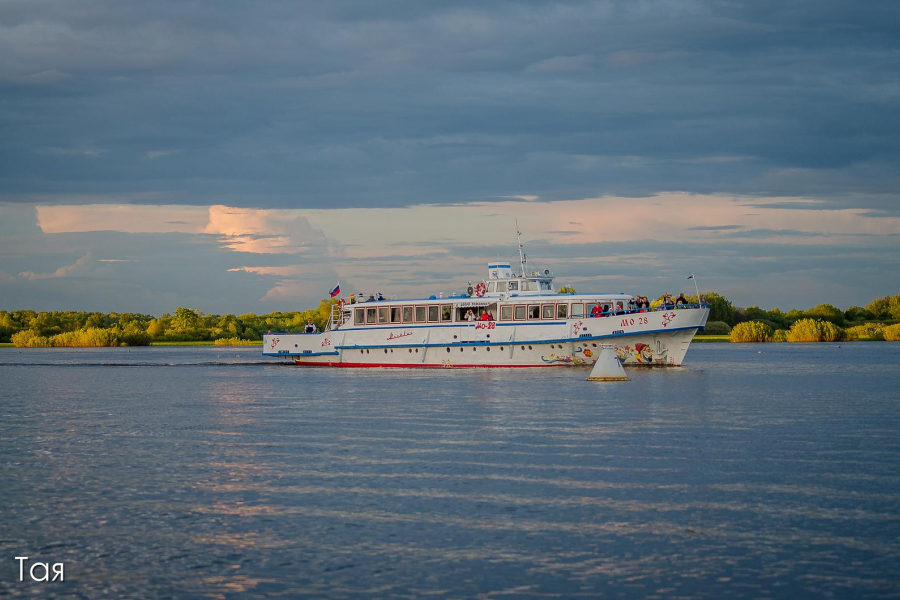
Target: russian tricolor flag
336, 291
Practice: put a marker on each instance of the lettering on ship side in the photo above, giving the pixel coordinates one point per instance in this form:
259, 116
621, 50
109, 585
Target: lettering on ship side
629, 321
486, 325
398, 336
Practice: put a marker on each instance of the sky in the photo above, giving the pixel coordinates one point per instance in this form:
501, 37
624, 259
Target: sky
244, 157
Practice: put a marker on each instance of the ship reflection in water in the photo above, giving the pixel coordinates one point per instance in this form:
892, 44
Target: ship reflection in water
201, 472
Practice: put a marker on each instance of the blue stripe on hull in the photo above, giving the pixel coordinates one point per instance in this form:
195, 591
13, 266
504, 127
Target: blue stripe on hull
485, 343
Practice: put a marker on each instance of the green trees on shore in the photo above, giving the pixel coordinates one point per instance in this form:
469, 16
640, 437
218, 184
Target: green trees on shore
751, 331
28, 328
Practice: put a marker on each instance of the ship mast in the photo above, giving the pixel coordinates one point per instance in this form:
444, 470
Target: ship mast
522, 258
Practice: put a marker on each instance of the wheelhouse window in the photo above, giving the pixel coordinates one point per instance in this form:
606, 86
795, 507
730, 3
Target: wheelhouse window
547, 312
359, 316
383, 314
520, 312
534, 312
506, 313
514, 286
577, 311
491, 287
407, 314
395, 314
446, 312
501, 286
529, 286
434, 312
420, 314
370, 315
562, 311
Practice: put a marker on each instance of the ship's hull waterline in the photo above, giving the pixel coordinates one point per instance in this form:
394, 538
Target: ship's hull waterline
658, 338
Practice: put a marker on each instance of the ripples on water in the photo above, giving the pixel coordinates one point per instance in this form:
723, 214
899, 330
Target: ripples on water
753, 471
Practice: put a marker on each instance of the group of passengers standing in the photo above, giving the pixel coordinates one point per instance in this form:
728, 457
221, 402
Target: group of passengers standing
485, 316
638, 304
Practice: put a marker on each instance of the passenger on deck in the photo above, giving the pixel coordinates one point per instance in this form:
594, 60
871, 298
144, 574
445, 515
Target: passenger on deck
371, 298
620, 309
484, 317
310, 326
595, 310
490, 316
470, 315
681, 300
667, 300
380, 297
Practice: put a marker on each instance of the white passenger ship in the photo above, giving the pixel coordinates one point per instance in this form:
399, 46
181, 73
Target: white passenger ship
534, 326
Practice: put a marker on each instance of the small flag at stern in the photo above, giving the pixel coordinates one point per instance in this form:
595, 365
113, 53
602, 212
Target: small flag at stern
691, 277
336, 290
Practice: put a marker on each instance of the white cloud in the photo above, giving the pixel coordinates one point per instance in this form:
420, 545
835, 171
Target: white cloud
80, 266
161, 153
562, 64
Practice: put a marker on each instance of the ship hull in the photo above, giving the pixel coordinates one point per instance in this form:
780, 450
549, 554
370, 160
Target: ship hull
640, 339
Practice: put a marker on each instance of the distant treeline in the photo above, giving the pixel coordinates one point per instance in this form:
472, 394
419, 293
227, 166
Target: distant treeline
70, 328
27, 328
822, 323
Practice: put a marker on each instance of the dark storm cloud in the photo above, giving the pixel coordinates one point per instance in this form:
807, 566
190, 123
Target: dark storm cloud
287, 104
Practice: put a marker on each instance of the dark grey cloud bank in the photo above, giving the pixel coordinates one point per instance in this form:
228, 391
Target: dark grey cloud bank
295, 104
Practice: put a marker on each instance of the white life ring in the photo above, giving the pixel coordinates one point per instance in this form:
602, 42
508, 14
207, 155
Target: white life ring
480, 289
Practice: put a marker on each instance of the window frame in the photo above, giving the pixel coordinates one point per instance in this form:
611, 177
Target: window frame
423, 318
572, 311
359, 316
446, 311
511, 284
524, 316
437, 313
398, 311
372, 312
384, 315
509, 309
544, 309
538, 307
408, 309
564, 309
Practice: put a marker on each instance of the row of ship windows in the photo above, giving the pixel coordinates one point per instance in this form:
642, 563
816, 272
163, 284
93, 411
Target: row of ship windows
474, 349
524, 285
443, 313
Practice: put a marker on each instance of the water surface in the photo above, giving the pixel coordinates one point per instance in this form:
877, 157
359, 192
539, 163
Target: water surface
753, 471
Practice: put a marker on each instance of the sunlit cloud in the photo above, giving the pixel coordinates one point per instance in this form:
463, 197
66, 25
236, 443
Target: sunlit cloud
128, 218
264, 231
424, 249
80, 266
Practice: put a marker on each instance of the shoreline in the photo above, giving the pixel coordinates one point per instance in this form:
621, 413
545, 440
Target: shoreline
700, 339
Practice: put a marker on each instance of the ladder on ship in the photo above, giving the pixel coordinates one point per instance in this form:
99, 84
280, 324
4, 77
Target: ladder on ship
337, 317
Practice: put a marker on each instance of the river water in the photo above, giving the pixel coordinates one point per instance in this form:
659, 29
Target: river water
753, 471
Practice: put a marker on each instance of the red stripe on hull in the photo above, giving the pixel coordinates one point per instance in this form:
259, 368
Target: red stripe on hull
421, 366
